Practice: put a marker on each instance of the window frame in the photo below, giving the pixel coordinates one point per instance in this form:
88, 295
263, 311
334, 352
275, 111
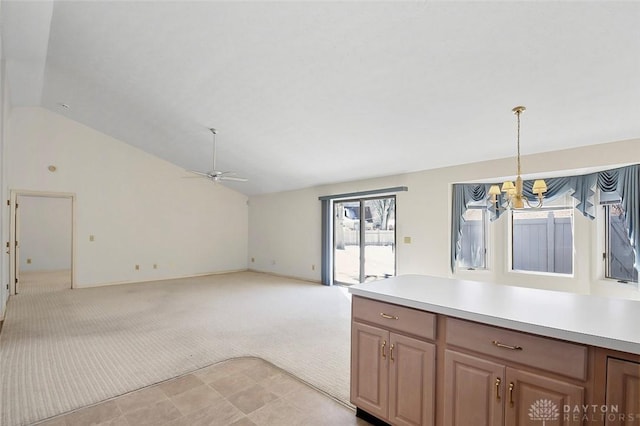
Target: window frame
563, 203
606, 247
486, 241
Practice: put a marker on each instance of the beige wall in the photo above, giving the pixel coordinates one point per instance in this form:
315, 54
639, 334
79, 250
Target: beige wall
285, 227
138, 207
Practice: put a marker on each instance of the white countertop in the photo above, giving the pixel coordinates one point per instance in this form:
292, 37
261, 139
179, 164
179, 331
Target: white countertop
598, 321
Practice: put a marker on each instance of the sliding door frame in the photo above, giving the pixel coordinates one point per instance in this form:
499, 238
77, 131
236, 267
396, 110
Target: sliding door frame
327, 214
362, 228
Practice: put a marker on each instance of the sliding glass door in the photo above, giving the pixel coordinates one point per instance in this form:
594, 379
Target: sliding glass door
364, 239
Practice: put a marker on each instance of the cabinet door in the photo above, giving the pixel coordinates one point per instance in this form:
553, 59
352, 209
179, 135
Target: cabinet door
474, 391
532, 397
369, 369
623, 392
411, 381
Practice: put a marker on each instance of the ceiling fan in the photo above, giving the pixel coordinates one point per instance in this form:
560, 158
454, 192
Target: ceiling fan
216, 175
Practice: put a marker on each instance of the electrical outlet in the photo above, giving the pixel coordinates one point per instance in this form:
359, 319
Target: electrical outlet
137, 267
92, 237
253, 259
155, 266
313, 267
28, 261
407, 240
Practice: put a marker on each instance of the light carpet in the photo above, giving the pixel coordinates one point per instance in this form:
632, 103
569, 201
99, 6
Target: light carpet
67, 349
34, 282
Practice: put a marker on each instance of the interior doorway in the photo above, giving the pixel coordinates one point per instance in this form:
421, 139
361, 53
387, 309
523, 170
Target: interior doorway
42, 238
364, 239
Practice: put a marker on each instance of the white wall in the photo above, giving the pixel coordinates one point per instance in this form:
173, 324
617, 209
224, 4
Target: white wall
285, 227
4, 222
139, 208
45, 233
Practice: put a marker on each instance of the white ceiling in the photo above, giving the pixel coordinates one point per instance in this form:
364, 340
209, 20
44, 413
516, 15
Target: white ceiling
308, 93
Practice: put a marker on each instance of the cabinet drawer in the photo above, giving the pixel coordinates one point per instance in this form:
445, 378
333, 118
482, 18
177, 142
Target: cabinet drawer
567, 359
394, 317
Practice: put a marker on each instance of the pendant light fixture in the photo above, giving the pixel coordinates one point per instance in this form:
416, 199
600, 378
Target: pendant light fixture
513, 192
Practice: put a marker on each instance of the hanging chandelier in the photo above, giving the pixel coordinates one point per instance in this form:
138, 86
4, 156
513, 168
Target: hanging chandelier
513, 192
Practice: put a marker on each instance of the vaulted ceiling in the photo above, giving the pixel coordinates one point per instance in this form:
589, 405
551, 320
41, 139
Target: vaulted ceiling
309, 93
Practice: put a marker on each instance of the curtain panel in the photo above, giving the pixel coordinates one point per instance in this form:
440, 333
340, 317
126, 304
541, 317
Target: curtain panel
623, 183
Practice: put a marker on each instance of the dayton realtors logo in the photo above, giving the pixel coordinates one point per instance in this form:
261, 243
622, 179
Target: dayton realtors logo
599, 413
544, 410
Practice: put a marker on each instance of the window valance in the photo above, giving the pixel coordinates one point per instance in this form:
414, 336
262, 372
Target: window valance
623, 182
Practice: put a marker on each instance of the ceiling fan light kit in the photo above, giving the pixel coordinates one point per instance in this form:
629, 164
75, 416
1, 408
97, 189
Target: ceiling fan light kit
217, 175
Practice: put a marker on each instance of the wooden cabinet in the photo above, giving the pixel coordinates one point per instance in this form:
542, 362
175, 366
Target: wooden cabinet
623, 392
485, 375
482, 392
473, 354
411, 381
473, 391
392, 374
369, 369
536, 397
491, 387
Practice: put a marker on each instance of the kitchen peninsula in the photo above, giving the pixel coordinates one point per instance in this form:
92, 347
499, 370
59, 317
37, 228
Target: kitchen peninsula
430, 350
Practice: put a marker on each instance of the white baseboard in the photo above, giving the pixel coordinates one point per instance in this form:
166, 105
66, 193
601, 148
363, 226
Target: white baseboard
285, 276
176, 277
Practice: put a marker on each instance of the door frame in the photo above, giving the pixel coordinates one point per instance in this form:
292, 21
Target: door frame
326, 203
362, 233
13, 206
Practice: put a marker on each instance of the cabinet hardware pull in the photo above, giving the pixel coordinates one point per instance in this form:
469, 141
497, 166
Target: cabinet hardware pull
387, 316
511, 386
498, 381
391, 353
502, 345
384, 355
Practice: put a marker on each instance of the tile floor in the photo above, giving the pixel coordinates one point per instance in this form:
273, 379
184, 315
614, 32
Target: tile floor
239, 392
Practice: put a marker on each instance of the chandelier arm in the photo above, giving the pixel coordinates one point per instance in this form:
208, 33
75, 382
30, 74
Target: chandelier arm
537, 206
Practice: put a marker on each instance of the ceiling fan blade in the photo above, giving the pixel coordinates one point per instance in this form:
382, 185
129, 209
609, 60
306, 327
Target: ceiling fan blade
233, 178
203, 174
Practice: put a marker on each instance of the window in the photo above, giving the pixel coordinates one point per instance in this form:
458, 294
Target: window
619, 255
473, 253
542, 240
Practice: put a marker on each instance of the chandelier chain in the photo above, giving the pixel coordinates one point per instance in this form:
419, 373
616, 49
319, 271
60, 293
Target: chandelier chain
518, 112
